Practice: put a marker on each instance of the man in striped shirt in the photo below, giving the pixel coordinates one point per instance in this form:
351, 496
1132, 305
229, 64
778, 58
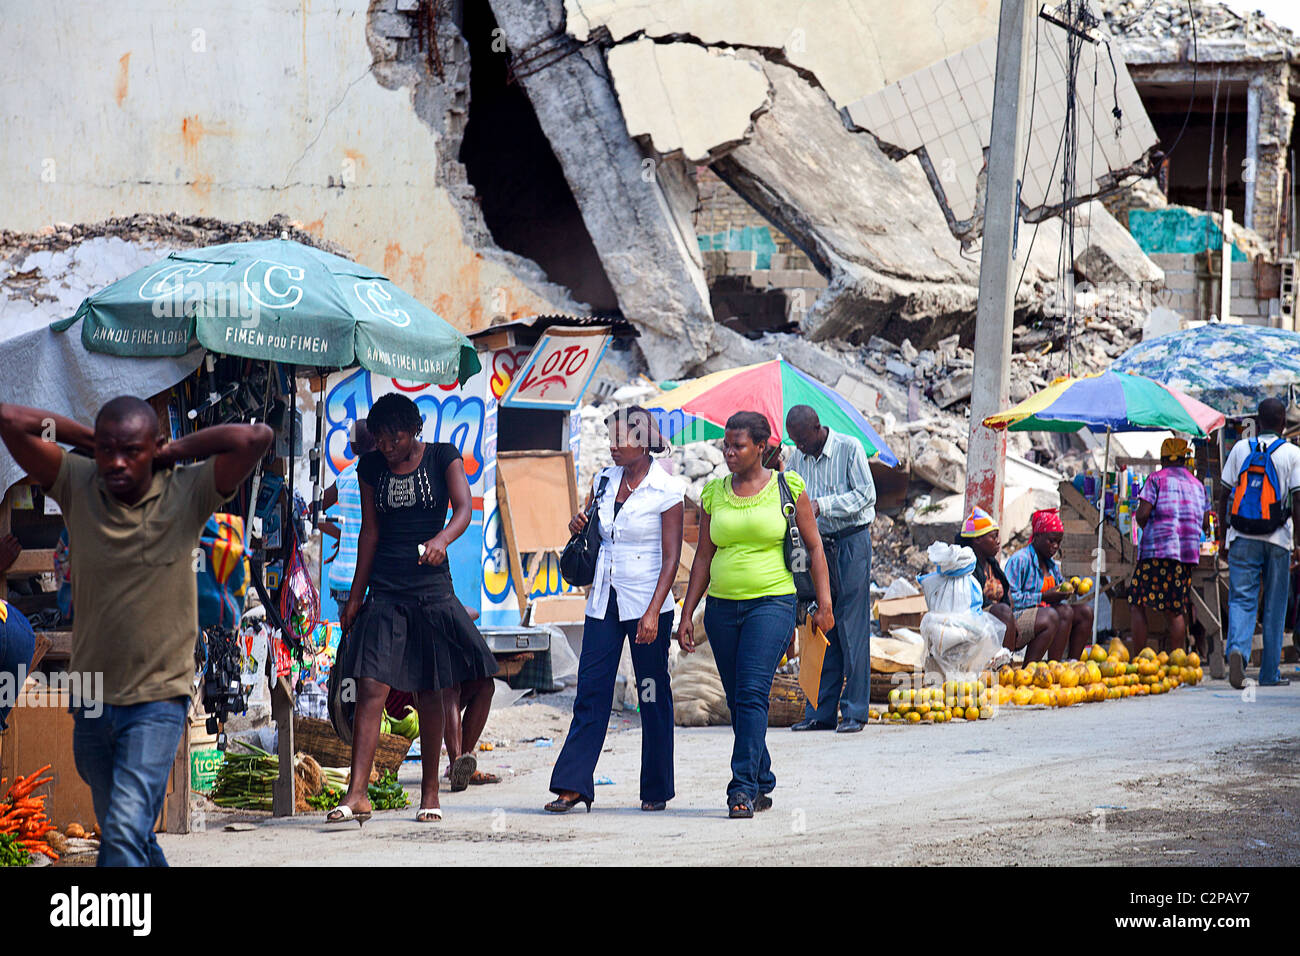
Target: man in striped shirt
838, 481
346, 493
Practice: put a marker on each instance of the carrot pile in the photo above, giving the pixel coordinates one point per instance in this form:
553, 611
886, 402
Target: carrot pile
23, 815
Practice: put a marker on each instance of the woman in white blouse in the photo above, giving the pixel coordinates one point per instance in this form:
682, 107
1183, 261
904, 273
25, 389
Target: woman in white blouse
640, 513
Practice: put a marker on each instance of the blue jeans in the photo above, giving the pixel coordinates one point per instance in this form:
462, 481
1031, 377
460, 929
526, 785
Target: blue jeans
846, 670
748, 639
17, 645
125, 755
1250, 563
602, 646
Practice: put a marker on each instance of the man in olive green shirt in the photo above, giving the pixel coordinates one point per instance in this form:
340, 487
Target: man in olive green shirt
133, 519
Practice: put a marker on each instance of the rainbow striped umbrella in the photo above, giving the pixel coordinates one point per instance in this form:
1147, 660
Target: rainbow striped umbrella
695, 410
1109, 402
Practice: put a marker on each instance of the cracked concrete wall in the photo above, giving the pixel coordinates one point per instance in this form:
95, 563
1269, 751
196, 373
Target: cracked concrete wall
1276, 120
848, 47
699, 102
262, 107
1234, 46
631, 205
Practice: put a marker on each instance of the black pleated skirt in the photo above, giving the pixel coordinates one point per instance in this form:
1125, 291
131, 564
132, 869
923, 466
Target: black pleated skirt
411, 642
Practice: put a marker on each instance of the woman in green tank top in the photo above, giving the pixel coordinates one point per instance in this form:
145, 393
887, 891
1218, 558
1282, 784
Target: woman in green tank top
750, 614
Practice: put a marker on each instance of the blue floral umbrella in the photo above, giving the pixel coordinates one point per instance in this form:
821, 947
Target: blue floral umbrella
1229, 367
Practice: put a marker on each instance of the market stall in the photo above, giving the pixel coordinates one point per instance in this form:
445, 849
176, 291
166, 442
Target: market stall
1231, 367
266, 312
1107, 402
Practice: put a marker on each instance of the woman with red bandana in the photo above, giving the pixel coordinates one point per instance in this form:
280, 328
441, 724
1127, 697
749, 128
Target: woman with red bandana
1051, 626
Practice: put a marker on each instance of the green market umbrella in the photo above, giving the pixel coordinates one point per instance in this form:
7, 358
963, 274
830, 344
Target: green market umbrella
278, 300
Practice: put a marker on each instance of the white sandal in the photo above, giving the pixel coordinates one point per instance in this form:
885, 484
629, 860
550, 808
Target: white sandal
428, 815
346, 815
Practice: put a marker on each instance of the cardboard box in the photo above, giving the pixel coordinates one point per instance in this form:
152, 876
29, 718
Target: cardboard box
40, 732
901, 612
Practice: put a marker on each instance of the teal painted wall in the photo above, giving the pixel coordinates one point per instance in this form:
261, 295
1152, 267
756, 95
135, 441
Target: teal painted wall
1177, 230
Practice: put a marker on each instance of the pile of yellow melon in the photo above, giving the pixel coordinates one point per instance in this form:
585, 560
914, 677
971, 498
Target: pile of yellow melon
955, 700
1103, 673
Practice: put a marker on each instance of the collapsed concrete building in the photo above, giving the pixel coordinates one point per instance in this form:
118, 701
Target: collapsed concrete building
512, 157
1221, 90
515, 157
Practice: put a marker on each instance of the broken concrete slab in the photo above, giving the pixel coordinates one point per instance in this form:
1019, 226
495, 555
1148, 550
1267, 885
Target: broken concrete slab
939, 521
849, 47
651, 261
955, 388
941, 464
1106, 253
671, 111
890, 258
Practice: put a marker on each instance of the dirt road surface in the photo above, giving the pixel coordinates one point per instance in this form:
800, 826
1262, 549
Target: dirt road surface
1202, 776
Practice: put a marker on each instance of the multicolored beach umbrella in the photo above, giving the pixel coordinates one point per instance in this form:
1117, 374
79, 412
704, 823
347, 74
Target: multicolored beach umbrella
1109, 401
696, 409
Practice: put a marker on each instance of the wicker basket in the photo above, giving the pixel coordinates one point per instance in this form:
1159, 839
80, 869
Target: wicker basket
882, 684
785, 702
317, 737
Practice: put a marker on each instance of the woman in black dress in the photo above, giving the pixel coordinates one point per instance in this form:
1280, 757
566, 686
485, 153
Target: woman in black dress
403, 627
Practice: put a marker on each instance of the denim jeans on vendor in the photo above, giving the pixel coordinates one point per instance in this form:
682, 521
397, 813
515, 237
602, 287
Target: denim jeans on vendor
125, 755
17, 645
748, 639
1250, 563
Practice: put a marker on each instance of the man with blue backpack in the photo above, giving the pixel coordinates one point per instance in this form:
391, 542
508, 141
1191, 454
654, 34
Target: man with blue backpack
1263, 475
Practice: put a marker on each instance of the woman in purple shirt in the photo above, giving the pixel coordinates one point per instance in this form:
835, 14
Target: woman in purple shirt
1171, 513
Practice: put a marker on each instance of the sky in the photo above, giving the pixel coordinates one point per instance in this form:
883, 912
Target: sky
1283, 12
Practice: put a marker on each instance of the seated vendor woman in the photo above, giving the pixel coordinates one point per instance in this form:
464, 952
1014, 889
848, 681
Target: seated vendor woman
1047, 625
979, 532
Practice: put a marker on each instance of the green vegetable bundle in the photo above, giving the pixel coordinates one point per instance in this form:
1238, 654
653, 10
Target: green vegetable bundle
385, 794
244, 780
11, 853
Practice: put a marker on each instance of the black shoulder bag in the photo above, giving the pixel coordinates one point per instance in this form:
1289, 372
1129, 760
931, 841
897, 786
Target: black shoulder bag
796, 552
578, 560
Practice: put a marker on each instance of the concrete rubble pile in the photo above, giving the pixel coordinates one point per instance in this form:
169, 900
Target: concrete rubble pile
170, 230
1147, 22
929, 440
772, 129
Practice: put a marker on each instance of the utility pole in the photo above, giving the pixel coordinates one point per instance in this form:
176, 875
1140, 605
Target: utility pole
990, 394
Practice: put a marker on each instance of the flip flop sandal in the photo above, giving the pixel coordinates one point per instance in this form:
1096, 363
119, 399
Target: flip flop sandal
429, 815
343, 814
461, 772
480, 777
740, 809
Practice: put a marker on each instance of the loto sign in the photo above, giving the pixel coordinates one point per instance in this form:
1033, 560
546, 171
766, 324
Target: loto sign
558, 370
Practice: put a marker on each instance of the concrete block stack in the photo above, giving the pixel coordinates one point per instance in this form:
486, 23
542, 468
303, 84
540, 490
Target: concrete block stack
751, 300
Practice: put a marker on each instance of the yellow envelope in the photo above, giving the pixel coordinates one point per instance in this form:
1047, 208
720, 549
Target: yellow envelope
812, 653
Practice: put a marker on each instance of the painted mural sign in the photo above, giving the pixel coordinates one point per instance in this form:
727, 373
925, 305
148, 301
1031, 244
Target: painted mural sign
559, 369
466, 416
